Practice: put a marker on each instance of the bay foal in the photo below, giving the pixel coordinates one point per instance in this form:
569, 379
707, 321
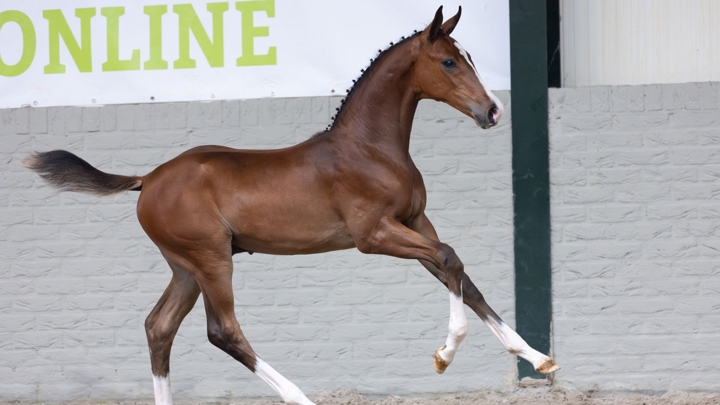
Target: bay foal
354, 185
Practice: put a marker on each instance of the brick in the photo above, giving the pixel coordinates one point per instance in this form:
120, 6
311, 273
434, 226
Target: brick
693, 96
177, 115
582, 122
624, 140
125, 117
627, 98
35, 339
582, 232
673, 97
74, 119
710, 96
38, 121
60, 286
600, 98
568, 214
6, 122
594, 194
615, 213
644, 193
18, 323
143, 118
614, 176
89, 338
277, 316
690, 119
634, 121
16, 216
15, 143
575, 142
61, 321
589, 159
112, 142
643, 231
642, 158
579, 99
653, 97
21, 117
671, 174
231, 113
91, 121
60, 215
696, 156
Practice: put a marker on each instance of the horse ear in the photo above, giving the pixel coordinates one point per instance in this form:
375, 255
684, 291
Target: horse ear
450, 24
433, 30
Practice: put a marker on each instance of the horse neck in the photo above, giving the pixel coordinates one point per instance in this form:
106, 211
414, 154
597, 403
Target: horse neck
381, 110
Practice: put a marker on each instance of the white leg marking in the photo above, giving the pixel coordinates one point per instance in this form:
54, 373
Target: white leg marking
492, 96
288, 391
457, 328
515, 344
163, 394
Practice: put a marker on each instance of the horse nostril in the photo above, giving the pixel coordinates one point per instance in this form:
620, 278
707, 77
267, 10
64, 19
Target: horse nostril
492, 113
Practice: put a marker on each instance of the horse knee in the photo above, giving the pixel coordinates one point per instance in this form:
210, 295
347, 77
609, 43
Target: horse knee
228, 338
232, 341
157, 330
451, 263
218, 336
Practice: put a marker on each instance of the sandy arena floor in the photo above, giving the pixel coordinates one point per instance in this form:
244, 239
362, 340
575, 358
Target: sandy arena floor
520, 397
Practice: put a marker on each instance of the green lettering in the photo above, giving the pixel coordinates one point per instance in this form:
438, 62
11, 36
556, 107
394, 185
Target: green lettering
250, 32
29, 43
112, 14
58, 27
156, 62
188, 20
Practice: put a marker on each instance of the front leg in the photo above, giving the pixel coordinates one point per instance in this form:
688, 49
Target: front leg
474, 299
392, 238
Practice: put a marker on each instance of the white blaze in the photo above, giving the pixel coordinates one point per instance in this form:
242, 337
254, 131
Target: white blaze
492, 96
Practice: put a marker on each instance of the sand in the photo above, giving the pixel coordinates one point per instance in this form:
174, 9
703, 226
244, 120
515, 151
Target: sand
553, 396
523, 396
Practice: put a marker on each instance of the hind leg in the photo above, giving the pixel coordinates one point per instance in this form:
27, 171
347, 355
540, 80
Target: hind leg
214, 275
162, 324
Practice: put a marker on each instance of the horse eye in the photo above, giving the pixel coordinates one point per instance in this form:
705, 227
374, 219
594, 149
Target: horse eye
448, 63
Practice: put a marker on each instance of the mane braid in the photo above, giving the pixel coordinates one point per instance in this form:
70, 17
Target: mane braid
358, 82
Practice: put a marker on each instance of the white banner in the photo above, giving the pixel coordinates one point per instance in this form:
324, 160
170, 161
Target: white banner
85, 52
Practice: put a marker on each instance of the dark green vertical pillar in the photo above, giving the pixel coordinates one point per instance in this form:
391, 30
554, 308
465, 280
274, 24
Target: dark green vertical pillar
531, 183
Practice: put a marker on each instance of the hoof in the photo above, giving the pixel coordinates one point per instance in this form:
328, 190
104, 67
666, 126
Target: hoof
438, 362
547, 367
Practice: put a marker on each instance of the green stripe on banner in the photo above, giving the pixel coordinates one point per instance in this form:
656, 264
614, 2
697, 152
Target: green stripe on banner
531, 183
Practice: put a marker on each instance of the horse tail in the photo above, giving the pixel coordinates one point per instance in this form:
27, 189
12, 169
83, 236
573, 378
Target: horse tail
62, 169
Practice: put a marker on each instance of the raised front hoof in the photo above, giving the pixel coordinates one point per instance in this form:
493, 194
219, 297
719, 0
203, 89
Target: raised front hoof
548, 367
438, 362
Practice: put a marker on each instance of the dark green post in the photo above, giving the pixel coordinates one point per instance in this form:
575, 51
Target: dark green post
531, 182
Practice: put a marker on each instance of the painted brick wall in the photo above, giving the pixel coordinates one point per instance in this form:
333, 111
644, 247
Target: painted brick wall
78, 276
635, 174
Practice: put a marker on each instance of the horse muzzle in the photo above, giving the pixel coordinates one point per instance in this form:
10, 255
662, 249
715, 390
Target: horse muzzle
489, 117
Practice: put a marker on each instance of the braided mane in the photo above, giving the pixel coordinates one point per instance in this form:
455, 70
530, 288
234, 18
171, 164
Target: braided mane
363, 74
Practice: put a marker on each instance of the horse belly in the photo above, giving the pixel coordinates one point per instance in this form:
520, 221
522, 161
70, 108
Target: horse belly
282, 229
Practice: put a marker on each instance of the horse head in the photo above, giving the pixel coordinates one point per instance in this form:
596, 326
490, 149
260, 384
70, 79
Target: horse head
444, 71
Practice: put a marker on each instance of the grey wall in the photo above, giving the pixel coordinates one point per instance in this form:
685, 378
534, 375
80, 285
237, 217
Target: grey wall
78, 275
635, 175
